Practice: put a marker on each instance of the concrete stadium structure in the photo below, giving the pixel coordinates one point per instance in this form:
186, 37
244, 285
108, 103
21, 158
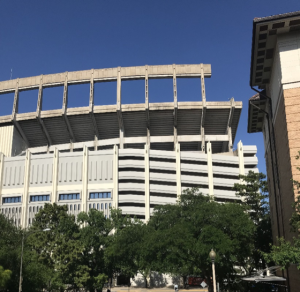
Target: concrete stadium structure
128, 156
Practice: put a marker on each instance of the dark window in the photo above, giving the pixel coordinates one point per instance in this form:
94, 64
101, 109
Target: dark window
11, 200
69, 197
102, 195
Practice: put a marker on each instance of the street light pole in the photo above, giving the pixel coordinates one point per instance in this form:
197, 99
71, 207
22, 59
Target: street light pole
23, 237
212, 256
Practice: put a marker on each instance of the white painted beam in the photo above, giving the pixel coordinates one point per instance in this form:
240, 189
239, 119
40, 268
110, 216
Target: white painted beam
147, 183
178, 170
116, 177
54, 194
210, 170
24, 222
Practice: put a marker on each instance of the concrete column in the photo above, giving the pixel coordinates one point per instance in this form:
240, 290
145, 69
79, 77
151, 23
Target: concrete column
85, 169
147, 183
91, 103
210, 170
54, 197
178, 170
65, 96
119, 89
230, 148
202, 140
40, 97
240, 150
175, 105
121, 138
1, 174
25, 198
16, 101
116, 177
202, 85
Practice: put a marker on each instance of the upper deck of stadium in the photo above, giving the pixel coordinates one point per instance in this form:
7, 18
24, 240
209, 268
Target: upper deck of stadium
161, 125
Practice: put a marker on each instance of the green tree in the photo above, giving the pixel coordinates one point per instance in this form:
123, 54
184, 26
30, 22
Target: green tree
254, 193
60, 249
128, 246
4, 277
93, 237
184, 233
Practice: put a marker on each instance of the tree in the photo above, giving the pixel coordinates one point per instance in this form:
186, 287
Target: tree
254, 193
4, 277
184, 233
60, 249
94, 238
128, 246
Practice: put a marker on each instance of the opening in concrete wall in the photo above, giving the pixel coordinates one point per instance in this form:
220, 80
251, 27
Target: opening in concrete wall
105, 93
6, 102
52, 98
189, 89
78, 95
28, 100
133, 91
160, 90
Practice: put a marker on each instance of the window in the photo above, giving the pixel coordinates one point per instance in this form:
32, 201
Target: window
39, 198
78, 207
69, 196
89, 206
74, 207
105, 206
94, 206
102, 206
98, 206
109, 205
70, 207
102, 195
8, 200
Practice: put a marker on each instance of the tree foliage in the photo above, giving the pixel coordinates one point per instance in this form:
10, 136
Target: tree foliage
254, 193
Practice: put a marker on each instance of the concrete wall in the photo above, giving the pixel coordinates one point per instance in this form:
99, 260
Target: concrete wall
138, 180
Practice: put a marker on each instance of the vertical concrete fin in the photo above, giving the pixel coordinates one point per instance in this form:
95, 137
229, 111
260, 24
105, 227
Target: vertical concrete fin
147, 183
210, 170
178, 169
85, 169
1, 174
240, 150
116, 177
25, 198
54, 197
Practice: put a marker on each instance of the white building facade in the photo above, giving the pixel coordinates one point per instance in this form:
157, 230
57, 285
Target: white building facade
131, 157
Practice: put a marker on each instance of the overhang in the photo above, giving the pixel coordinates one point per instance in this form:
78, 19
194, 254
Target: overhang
256, 108
264, 37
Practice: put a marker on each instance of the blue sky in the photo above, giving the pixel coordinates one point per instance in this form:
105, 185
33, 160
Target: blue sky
43, 37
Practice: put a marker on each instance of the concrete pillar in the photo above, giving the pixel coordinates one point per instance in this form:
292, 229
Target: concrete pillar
202, 85
202, 140
1, 175
85, 169
25, 198
210, 170
91, 103
147, 183
240, 150
178, 170
16, 101
65, 96
230, 147
119, 89
116, 177
54, 197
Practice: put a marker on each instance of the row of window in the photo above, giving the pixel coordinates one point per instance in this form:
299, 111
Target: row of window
39, 198
100, 195
11, 200
97, 206
69, 197
11, 210
35, 209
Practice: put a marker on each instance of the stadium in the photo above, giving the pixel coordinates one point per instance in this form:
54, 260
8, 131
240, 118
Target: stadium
127, 156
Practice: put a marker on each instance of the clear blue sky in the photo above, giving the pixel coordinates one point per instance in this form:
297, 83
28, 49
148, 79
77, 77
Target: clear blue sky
43, 37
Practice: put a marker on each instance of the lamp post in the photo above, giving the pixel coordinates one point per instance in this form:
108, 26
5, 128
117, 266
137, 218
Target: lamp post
20, 282
212, 256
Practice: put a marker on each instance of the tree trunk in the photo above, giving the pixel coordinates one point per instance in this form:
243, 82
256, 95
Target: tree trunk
146, 282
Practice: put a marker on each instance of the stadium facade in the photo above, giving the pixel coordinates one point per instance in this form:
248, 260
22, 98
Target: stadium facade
128, 156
